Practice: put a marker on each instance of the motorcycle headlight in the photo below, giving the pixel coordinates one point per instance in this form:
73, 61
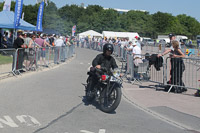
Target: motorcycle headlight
116, 72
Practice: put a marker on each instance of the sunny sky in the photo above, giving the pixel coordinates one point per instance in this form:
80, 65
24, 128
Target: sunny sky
175, 7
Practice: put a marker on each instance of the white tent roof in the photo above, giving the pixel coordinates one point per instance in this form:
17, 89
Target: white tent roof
90, 33
112, 34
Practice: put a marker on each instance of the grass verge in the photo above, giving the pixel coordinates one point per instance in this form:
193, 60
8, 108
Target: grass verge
5, 59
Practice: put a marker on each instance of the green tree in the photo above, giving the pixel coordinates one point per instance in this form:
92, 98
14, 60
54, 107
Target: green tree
191, 25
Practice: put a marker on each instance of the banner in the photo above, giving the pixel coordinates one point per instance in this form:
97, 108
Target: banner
39, 17
7, 5
73, 30
18, 12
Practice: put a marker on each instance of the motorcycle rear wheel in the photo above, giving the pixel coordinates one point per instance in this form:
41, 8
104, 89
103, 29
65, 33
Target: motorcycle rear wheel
109, 104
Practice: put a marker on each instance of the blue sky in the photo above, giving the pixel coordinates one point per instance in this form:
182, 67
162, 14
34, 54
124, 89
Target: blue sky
175, 7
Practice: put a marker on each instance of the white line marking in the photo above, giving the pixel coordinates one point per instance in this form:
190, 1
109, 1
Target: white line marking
85, 131
28, 120
8, 121
102, 130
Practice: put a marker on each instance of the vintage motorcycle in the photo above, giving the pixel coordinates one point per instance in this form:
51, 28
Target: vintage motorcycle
107, 90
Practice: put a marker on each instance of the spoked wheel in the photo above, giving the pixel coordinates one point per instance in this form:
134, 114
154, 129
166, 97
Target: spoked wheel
110, 103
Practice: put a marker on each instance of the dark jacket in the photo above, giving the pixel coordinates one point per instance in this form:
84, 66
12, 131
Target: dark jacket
104, 61
18, 42
156, 61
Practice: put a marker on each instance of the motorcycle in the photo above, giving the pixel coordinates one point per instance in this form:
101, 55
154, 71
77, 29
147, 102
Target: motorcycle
107, 91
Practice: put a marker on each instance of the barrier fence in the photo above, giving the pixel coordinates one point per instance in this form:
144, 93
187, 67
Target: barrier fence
6, 59
16, 60
173, 72
183, 72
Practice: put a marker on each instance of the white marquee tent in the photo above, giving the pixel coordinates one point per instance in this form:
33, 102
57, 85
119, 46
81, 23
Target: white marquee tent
90, 33
112, 34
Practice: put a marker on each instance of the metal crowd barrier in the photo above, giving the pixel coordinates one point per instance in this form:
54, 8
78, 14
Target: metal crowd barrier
183, 73
6, 61
164, 74
32, 58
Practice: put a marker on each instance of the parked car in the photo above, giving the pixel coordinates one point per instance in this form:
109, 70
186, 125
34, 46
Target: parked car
148, 41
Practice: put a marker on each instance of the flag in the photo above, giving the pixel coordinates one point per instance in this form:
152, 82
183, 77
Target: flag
39, 17
18, 12
73, 30
7, 5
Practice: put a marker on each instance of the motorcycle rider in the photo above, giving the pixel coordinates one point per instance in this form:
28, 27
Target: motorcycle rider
103, 60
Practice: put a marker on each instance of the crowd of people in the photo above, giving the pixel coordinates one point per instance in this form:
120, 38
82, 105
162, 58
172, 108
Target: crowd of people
28, 43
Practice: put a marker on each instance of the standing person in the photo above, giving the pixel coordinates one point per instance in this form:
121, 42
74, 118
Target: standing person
77, 41
177, 65
27, 39
58, 44
51, 40
32, 52
40, 41
137, 58
82, 42
87, 42
72, 41
45, 49
139, 42
130, 47
19, 44
173, 37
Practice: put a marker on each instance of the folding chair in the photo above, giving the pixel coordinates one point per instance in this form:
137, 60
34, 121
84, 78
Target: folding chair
142, 71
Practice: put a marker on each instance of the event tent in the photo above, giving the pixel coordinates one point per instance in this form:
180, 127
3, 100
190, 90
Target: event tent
7, 21
112, 34
90, 33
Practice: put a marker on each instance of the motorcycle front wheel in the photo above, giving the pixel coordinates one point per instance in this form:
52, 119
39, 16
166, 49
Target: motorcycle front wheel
110, 103
88, 93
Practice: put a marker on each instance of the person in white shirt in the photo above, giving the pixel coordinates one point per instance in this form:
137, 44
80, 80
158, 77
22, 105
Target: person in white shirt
137, 58
58, 44
129, 47
136, 51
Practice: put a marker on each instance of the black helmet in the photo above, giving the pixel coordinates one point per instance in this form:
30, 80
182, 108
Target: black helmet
108, 47
171, 35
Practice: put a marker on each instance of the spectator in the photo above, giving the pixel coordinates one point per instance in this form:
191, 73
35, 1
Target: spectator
137, 54
51, 40
137, 58
4, 42
173, 37
190, 42
138, 41
82, 42
130, 47
177, 65
19, 44
58, 44
40, 41
32, 51
45, 49
27, 39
